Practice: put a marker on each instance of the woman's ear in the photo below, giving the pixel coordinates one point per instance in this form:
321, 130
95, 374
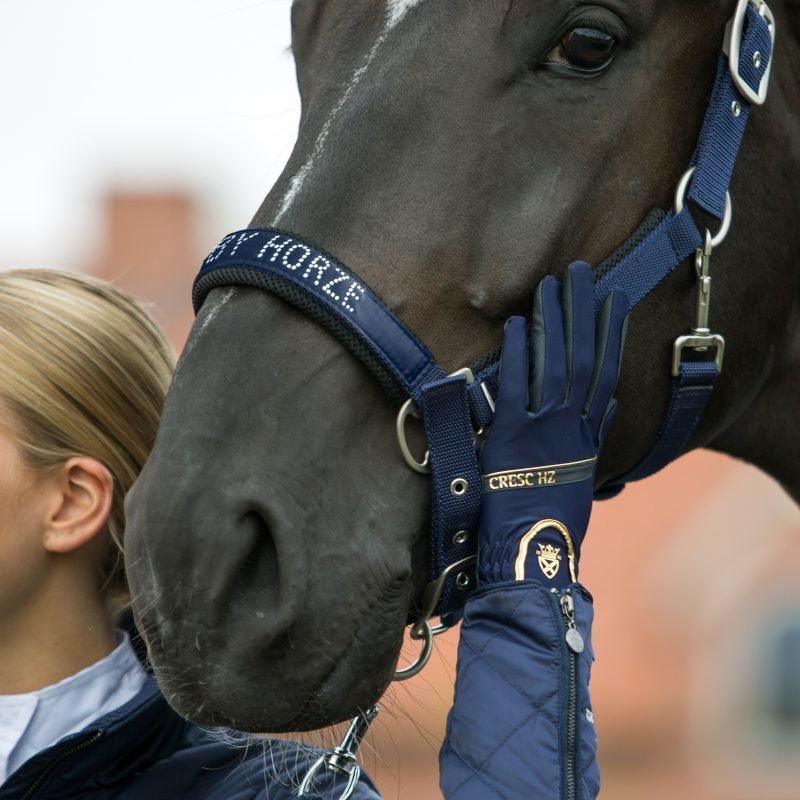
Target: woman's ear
84, 491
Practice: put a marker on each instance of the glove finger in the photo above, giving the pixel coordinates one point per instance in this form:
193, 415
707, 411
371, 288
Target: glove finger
607, 421
579, 330
512, 390
548, 367
612, 324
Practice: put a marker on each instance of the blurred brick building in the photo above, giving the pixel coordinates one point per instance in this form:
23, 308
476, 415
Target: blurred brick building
694, 573
150, 244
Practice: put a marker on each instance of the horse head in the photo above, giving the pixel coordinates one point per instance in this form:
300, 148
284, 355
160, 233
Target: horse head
451, 158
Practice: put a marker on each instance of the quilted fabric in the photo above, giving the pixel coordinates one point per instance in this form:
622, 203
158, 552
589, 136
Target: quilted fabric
507, 732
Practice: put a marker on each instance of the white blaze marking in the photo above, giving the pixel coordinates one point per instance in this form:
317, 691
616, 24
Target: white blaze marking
297, 183
396, 10
196, 335
216, 308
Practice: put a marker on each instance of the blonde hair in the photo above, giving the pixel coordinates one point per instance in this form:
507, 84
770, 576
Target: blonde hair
84, 370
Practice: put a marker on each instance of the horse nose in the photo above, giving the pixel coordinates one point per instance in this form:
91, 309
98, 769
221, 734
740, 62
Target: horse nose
224, 557
259, 570
221, 594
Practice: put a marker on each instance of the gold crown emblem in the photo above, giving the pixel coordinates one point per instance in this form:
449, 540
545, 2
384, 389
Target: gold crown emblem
548, 558
549, 552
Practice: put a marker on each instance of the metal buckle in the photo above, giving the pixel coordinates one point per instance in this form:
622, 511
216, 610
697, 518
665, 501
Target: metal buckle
700, 337
408, 409
700, 342
433, 593
732, 48
422, 629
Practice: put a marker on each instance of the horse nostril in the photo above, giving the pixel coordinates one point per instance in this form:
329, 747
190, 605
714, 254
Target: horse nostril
258, 575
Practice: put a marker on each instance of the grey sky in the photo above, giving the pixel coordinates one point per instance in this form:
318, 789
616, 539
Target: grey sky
156, 93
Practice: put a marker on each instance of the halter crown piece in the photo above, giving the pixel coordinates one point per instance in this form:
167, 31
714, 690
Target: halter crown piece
456, 408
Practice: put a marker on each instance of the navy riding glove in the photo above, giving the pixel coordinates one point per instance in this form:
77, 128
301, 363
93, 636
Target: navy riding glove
554, 407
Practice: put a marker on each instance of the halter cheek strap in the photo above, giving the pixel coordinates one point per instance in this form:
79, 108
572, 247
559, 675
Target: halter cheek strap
742, 80
456, 408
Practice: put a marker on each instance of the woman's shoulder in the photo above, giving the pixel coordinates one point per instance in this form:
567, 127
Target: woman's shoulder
209, 764
145, 751
272, 769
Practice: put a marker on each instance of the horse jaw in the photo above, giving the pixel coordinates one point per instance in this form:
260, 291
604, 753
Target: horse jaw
271, 599
766, 433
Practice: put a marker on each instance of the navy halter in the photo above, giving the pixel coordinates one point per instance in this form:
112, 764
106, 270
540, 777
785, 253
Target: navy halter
453, 408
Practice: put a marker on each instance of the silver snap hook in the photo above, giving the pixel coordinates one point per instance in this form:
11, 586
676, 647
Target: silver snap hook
342, 759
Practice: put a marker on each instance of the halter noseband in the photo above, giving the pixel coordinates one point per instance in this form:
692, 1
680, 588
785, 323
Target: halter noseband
456, 408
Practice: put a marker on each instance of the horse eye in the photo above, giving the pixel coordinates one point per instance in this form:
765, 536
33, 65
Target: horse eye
585, 49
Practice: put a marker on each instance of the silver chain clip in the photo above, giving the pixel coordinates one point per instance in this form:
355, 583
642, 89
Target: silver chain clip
700, 338
342, 759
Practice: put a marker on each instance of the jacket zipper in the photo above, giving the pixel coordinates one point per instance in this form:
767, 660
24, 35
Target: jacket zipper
36, 785
572, 645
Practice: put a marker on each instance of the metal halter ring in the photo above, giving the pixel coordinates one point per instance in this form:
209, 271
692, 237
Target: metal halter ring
680, 201
426, 635
408, 409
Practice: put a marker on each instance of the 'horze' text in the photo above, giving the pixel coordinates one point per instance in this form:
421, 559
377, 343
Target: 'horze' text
305, 264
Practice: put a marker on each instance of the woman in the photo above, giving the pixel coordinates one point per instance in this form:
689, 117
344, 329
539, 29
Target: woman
83, 375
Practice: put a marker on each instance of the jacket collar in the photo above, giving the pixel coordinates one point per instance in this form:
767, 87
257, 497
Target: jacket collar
123, 741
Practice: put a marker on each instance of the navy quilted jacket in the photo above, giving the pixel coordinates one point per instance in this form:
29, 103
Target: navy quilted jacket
145, 751
522, 725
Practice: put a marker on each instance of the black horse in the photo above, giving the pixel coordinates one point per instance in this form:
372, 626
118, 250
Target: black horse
451, 154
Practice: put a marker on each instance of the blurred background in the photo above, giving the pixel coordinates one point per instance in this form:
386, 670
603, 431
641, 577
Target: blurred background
135, 135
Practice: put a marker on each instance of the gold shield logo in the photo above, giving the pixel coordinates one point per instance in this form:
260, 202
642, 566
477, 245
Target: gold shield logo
549, 560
